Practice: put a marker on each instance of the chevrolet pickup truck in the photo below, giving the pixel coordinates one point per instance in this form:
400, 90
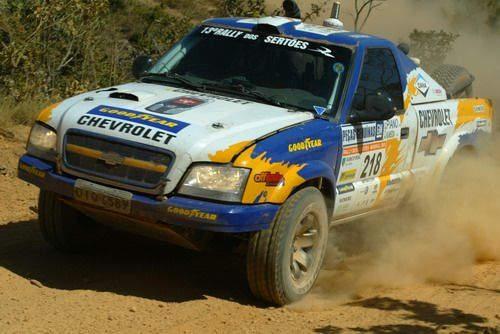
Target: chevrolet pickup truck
265, 131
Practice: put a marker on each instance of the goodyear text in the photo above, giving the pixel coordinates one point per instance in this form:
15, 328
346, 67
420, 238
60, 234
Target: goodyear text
32, 170
305, 145
192, 213
158, 122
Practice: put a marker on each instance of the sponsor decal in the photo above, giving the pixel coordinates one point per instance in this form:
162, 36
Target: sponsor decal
126, 128
261, 198
290, 42
390, 134
372, 165
380, 131
392, 124
321, 30
338, 68
482, 123
359, 36
348, 175
305, 145
345, 199
431, 143
355, 135
324, 51
270, 179
392, 128
32, 170
394, 182
348, 188
176, 106
364, 148
432, 118
349, 160
211, 96
365, 191
230, 33
251, 37
260, 162
319, 110
479, 108
422, 85
389, 191
158, 122
192, 213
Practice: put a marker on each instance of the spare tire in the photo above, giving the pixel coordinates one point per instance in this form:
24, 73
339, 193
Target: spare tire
456, 80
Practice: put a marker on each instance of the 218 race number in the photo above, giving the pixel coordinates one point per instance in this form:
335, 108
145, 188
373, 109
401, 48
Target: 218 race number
372, 165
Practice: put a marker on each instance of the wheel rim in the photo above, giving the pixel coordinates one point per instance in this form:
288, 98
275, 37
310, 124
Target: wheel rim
304, 249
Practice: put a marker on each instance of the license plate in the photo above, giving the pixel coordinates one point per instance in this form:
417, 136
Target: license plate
107, 198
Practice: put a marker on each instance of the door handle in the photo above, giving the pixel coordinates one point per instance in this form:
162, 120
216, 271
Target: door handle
405, 133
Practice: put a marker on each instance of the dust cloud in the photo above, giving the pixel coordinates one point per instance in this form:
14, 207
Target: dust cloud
438, 239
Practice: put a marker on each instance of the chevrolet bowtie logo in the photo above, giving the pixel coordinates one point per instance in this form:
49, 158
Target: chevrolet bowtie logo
431, 143
112, 159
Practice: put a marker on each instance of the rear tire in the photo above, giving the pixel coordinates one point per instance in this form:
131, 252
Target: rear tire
456, 80
64, 227
284, 261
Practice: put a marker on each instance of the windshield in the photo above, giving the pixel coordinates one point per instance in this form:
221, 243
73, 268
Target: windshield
289, 72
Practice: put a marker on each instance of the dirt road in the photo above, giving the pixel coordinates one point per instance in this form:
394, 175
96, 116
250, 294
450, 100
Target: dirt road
140, 286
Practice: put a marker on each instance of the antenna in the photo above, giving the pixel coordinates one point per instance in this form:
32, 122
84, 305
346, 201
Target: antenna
334, 21
336, 10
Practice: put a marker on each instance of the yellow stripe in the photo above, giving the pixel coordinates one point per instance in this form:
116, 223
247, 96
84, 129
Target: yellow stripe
88, 152
131, 162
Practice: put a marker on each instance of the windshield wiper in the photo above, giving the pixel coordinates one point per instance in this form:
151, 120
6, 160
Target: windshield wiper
173, 77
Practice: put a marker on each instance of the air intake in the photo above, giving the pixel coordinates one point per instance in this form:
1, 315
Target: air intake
124, 96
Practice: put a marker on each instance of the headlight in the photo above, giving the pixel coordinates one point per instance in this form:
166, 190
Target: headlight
219, 182
42, 142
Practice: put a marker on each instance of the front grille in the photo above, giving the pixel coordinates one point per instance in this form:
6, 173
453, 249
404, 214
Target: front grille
116, 160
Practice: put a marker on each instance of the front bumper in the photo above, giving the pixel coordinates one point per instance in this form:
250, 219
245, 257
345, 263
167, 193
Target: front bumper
176, 210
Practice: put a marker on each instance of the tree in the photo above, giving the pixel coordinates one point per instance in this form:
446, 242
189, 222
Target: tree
240, 8
316, 10
363, 9
431, 46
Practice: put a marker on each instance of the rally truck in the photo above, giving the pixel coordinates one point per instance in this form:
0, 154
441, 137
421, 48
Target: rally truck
262, 131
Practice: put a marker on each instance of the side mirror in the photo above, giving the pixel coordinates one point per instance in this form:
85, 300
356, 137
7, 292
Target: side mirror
142, 64
377, 108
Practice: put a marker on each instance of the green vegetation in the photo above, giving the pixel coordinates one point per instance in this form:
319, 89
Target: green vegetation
50, 50
431, 46
62, 47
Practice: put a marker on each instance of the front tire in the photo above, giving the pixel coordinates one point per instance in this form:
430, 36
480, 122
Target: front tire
284, 261
64, 227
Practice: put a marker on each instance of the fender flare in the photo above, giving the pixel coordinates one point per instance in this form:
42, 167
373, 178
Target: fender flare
314, 170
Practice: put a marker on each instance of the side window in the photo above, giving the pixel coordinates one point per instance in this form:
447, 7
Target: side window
379, 76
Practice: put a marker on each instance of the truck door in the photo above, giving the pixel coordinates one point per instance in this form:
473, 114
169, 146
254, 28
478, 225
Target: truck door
376, 154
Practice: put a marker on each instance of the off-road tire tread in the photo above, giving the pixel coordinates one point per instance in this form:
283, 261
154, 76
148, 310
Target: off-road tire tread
49, 220
263, 273
447, 75
62, 226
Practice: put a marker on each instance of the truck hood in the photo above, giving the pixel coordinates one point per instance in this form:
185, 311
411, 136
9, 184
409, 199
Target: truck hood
194, 126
